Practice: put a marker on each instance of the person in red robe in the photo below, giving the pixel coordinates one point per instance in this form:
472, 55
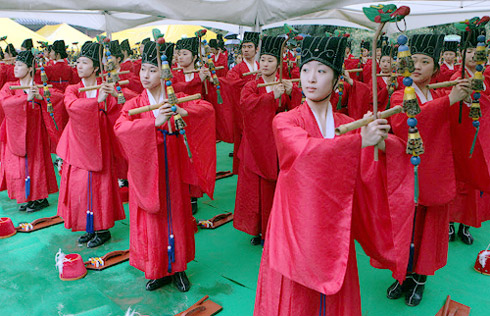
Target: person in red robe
219, 57
134, 83
60, 74
89, 195
26, 171
237, 81
126, 62
386, 83
470, 208
160, 172
436, 172
137, 63
448, 67
258, 169
330, 192
366, 68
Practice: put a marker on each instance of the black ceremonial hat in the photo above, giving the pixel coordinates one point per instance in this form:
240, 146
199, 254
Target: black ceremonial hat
92, 51
27, 44
168, 50
251, 37
472, 37
191, 44
59, 47
327, 50
11, 50
213, 43
26, 57
125, 45
271, 45
149, 55
115, 49
427, 44
388, 50
366, 45
451, 46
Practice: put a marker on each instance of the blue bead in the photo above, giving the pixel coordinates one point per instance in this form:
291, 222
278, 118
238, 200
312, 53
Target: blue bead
51, 114
407, 81
168, 83
415, 160
402, 48
182, 131
340, 93
479, 67
108, 53
118, 88
45, 84
412, 122
402, 39
173, 108
480, 44
213, 72
204, 42
164, 57
476, 124
164, 62
218, 87
476, 95
48, 99
42, 68
209, 56
298, 50
481, 38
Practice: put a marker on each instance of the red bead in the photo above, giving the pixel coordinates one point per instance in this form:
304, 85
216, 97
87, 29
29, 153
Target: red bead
161, 40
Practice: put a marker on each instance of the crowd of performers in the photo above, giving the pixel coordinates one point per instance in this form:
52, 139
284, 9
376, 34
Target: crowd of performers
303, 192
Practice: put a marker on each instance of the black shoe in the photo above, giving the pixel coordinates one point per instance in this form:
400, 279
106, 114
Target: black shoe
158, 283
24, 206
99, 239
181, 281
464, 234
194, 205
230, 154
86, 238
414, 294
37, 205
255, 241
396, 290
452, 232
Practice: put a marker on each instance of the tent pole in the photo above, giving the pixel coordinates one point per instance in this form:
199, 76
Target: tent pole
107, 28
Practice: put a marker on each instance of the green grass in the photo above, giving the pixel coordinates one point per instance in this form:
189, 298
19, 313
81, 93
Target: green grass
226, 268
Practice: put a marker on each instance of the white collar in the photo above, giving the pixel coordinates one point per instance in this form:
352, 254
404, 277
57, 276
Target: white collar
421, 96
250, 67
91, 93
329, 123
59, 61
470, 72
216, 57
189, 77
152, 101
451, 67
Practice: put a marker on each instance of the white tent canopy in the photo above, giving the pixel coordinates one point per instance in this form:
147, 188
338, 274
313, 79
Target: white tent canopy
116, 15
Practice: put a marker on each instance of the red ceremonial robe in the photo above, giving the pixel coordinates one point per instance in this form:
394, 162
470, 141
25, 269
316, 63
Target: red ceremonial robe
128, 65
472, 174
356, 100
137, 67
319, 209
383, 95
445, 73
222, 61
258, 169
134, 82
148, 204
60, 75
237, 81
89, 149
25, 150
437, 182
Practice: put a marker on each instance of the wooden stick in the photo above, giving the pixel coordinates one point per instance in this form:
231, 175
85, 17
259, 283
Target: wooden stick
342, 129
445, 84
117, 73
28, 87
388, 75
261, 85
354, 70
251, 73
148, 108
178, 68
374, 69
197, 70
123, 82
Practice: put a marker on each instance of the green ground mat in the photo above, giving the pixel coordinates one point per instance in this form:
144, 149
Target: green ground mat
226, 268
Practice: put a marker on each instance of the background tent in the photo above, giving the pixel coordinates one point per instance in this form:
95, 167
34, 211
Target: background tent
172, 33
17, 33
63, 32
